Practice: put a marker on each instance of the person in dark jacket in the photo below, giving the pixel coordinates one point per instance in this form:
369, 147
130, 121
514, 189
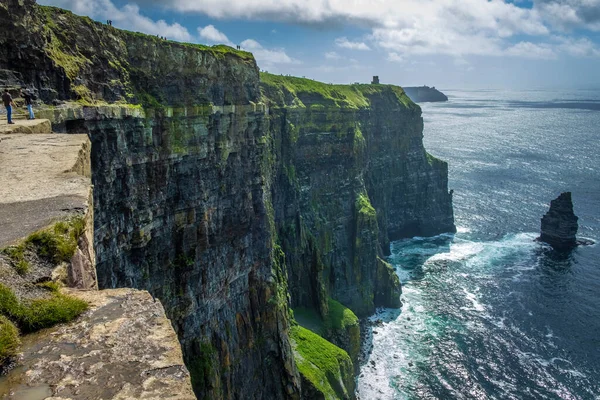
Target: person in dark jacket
8, 103
28, 102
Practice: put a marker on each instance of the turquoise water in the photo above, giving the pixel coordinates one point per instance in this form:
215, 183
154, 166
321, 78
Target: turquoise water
489, 313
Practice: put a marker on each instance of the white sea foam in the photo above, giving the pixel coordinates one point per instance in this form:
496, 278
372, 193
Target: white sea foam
477, 306
462, 229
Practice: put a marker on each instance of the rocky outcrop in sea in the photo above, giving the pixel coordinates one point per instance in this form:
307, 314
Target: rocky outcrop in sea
559, 225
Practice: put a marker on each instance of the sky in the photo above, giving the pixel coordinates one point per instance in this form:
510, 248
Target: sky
452, 44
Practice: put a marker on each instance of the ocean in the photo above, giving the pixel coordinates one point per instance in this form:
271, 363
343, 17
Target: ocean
489, 313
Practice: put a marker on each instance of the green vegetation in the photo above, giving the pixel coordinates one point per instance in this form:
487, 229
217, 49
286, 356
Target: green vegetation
9, 339
17, 256
302, 92
364, 207
72, 64
432, 160
33, 315
56, 244
341, 317
202, 366
327, 367
346, 96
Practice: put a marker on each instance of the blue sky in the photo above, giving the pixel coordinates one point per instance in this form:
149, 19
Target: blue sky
445, 43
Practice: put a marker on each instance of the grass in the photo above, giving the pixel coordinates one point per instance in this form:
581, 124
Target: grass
51, 13
346, 96
364, 207
9, 339
57, 244
33, 315
324, 365
341, 317
319, 94
17, 256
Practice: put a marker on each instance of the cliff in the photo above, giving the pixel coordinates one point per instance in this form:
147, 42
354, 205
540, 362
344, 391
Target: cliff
423, 94
235, 198
77, 342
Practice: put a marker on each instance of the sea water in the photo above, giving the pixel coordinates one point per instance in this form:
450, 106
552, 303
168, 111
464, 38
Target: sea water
489, 313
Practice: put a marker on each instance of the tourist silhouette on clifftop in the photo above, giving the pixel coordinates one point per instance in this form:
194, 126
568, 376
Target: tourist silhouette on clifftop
29, 97
8, 103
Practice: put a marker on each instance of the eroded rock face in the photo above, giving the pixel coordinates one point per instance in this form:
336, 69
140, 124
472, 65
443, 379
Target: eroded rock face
559, 225
215, 203
350, 181
123, 347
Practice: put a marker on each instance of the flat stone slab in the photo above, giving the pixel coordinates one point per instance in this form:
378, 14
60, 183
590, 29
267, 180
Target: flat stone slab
26, 126
124, 347
42, 177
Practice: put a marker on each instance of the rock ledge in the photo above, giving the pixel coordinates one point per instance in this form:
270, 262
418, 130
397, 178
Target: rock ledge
124, 347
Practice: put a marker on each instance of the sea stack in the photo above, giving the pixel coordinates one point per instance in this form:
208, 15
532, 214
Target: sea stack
559, 225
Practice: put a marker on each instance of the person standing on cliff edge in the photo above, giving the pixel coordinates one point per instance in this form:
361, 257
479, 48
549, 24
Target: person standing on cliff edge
8, 103
28, 98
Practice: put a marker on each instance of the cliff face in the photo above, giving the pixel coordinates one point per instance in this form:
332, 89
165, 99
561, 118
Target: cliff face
353, 175
230, 201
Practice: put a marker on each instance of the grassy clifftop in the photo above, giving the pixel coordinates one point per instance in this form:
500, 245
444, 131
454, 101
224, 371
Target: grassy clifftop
68, 57
301, 92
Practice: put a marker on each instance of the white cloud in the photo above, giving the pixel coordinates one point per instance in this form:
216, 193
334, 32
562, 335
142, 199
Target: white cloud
570, 14
332, 55
395, 57
531, 50
582, 47
402, 29
343, 42
407, 27
213, 35
126, 17
267, 57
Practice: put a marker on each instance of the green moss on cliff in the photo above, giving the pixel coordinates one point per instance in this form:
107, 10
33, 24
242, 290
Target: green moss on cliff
202, 367
432, 160
364, 207
36, 314
9, 339
322, 364
388, 287
341, 317
71, 64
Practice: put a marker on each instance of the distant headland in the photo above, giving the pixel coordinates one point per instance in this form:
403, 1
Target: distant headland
422, 94
419, 94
